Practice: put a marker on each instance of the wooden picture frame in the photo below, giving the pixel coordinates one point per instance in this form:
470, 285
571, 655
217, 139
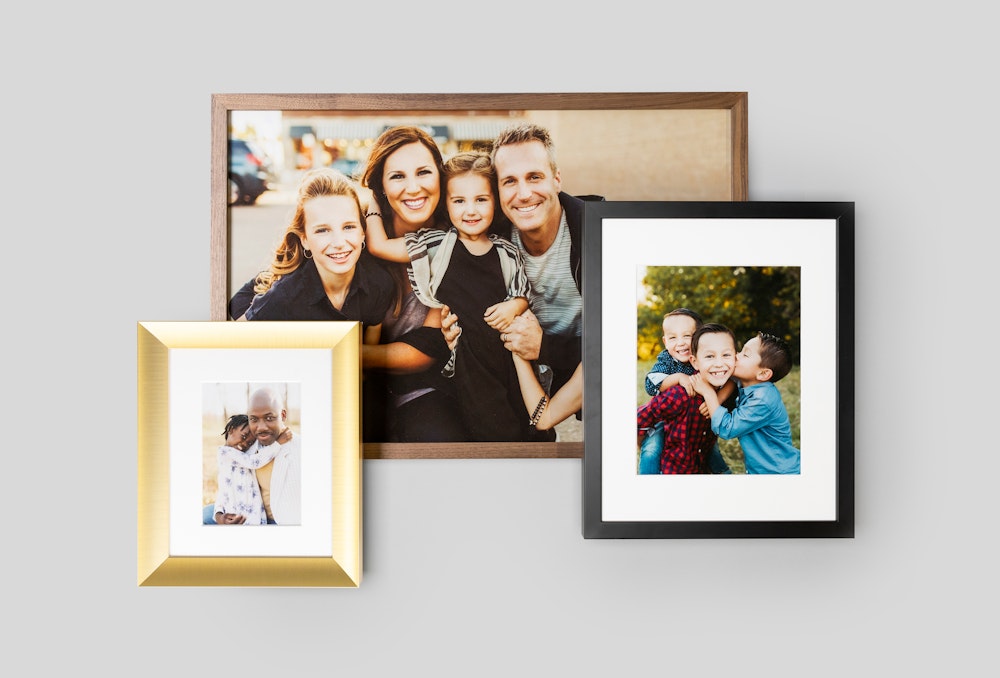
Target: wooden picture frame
177, 546
620, 146
811, 243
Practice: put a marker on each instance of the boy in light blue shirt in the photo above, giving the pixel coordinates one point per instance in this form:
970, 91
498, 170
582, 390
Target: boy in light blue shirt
759, 419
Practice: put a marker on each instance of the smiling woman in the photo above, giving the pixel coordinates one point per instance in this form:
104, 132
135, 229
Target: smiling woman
406, 397
323, 270
319, 270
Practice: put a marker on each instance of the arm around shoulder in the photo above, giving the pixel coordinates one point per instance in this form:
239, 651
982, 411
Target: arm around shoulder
753, 412
380, 244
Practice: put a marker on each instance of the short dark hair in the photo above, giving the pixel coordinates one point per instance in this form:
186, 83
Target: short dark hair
235, 421
698, 322
775, 355
710, 328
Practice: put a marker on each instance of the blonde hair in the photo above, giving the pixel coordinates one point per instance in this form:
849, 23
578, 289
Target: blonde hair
523, 133
479, 163
288, 255
472, 162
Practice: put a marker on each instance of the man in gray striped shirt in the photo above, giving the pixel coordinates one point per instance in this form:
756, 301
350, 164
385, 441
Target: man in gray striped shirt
547, 228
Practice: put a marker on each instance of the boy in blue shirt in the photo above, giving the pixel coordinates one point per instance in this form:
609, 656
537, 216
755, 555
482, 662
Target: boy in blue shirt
759, 419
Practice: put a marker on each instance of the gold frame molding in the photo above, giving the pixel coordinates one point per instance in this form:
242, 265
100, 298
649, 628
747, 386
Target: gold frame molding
156, 567
223, 104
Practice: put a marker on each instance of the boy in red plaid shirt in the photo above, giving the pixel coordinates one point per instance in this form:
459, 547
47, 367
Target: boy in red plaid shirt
688, 434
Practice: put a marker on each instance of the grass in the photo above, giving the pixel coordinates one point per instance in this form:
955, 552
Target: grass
791, 394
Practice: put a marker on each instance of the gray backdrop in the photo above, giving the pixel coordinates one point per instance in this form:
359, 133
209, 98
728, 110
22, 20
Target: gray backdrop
479, 567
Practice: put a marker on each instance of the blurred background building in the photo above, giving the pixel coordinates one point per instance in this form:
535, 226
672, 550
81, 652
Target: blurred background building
618, 154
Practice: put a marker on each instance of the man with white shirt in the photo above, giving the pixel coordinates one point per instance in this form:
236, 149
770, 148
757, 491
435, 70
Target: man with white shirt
280, 480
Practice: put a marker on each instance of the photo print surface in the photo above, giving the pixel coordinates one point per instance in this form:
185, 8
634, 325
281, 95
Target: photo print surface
251, 450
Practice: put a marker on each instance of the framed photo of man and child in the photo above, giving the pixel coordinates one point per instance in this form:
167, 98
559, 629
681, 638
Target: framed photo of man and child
720, 338
451, 227
249, 464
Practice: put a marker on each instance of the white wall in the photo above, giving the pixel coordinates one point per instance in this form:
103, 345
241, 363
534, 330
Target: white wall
478, 568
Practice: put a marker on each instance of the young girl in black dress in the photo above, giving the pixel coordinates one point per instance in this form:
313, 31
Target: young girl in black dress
479, 276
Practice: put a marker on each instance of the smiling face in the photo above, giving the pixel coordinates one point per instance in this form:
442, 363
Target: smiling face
412, 186
529, 188
267, 419
715, 357
333, 233
239, 437
470, 204
677, 333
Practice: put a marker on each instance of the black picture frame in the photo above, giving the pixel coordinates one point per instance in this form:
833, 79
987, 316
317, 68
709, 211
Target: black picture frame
818, 237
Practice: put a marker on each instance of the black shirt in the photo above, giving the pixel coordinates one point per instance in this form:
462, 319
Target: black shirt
300, 296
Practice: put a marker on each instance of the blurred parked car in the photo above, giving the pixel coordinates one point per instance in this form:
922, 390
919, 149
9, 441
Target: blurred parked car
251, 172
349, 168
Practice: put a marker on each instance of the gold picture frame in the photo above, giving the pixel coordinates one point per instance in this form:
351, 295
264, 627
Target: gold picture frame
620, 146
175, 360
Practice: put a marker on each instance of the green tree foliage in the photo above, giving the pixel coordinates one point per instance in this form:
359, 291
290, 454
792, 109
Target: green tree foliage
745, 299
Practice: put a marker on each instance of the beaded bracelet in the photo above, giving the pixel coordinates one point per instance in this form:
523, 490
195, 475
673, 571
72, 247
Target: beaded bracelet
539, 408
373, 214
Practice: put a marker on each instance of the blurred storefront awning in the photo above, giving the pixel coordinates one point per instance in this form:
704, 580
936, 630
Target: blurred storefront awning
481, 130
299, 131
477, 131
347, 130
440, 133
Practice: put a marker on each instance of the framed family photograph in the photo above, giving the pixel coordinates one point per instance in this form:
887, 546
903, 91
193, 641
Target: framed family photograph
450, 226
249, 454
719, 392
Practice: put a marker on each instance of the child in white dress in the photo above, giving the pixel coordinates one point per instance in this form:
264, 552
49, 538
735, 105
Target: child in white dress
239, 492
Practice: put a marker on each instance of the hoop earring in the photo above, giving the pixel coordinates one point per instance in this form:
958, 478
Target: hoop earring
307, 254
363, 244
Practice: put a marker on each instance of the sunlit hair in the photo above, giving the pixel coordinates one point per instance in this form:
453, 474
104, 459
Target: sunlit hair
523, 133
698, 322
388, 143
288, 255
775, 355
235, 421
472, 162
710, 328
479, 164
